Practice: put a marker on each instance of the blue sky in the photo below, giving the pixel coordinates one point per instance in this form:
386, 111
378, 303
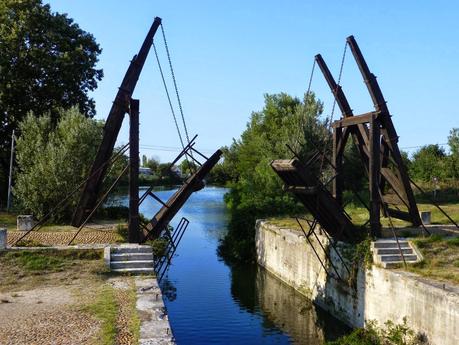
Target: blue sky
228, 54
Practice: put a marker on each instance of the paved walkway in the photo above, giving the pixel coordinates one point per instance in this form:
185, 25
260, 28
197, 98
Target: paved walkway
155, 328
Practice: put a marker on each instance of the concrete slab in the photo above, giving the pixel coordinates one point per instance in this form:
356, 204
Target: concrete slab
154, 327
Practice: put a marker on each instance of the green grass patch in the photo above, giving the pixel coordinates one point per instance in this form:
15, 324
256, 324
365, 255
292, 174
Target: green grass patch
7, 220
105, 309
134, 320
47, 260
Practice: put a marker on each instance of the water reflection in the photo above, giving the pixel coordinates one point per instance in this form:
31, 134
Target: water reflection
258, 291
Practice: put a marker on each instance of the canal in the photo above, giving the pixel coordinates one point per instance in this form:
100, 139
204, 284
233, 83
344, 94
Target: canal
209, 302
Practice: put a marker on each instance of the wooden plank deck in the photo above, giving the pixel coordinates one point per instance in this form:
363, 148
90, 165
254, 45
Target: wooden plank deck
316, 199
194, 183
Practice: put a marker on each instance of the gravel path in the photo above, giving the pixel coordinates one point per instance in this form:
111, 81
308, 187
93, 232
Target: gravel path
44, 316
56, 238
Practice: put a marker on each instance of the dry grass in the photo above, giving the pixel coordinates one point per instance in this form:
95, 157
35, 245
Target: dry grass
441, 258
24, 270
360, 216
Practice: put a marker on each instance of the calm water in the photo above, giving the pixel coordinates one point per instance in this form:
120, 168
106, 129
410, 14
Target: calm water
210, 303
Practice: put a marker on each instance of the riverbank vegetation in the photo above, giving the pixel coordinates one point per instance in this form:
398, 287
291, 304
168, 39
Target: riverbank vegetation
389, 334
255, 190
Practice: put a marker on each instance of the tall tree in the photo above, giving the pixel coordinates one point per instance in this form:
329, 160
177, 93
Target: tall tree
257, 191
429, 162
47, 62
53, 160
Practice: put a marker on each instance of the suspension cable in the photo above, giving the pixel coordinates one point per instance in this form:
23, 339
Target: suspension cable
168, 96
330, 119
310, 77
175, 83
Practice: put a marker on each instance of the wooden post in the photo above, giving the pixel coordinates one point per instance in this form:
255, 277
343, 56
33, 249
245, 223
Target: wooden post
10, 177
374, 176
133, 231
338, 182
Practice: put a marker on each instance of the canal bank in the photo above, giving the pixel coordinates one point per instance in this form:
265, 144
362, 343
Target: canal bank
379, 294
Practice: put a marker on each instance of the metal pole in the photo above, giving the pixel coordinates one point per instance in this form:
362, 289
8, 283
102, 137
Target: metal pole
10, 178
133, 231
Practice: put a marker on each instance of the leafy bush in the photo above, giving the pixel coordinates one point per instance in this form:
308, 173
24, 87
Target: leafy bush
53, 160
390, 334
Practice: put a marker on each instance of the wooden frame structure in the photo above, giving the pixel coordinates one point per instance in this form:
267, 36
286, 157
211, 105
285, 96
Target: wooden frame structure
377, 141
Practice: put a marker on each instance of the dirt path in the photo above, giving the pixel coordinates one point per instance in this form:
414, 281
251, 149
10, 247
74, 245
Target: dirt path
44, 316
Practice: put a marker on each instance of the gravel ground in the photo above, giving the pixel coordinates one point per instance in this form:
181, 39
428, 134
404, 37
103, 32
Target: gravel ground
56, 238
44, 316
123, 287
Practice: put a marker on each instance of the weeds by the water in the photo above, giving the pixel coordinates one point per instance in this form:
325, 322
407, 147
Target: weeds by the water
390, 334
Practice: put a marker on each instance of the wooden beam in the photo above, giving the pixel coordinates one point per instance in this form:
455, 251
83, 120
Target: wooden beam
374, 176
355, 120
133, 228
301, 190
338, 182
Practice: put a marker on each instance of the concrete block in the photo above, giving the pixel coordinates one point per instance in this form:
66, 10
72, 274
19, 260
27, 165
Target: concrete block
25, 222
3, 239
425, 217
107, 256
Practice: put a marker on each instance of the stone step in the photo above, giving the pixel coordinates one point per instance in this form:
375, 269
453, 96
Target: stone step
131, 256
131, 249
391, 244
134, 270
131, 264
386, 251
392, 258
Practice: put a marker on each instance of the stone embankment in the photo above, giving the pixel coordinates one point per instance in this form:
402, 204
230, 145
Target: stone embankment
431, 308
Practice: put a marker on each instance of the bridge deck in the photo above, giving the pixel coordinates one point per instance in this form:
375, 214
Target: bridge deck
317, 199
194, 183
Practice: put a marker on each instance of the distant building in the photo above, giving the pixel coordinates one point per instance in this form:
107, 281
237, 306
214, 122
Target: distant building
144, 171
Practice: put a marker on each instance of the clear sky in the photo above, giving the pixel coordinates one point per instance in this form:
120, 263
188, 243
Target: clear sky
227, 54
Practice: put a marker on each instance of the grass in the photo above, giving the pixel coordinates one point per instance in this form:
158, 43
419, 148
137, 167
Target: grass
134, 320
51, 260
441, 258
22, 269
360, 216
105, 308
7, 220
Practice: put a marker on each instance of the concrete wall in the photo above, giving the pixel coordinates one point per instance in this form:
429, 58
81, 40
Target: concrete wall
380, 294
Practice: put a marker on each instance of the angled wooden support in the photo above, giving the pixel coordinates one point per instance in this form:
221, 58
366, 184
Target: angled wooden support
316, 199
388, 130
112, 127
194, 183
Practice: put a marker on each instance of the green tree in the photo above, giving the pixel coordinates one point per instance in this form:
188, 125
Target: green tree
429, 162
53, 161
47, 62
257, 191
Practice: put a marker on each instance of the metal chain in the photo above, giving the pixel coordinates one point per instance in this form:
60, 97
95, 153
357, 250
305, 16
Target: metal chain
339, 80
168, 96
310, 77
175, 84
334, 105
